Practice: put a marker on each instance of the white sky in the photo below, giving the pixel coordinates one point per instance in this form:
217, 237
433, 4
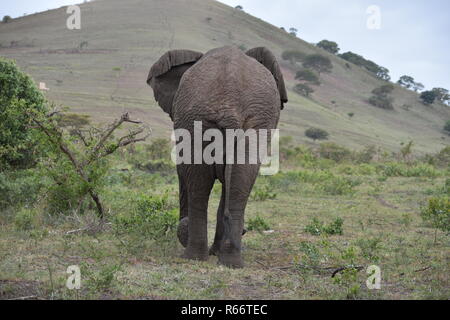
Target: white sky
414, 38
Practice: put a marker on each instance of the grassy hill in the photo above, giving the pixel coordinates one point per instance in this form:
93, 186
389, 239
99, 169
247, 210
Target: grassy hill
122, 39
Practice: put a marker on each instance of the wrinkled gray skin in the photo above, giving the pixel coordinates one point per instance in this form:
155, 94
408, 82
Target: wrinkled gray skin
225, 89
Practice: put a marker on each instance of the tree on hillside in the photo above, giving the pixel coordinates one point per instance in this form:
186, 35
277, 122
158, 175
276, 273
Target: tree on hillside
383, 73
442, 94
293, 56
293, 31
19, 97
447, 127
303, 89
406, 82
418, 87
307, 75
381, 98
428, 97
239, 7
318, 63
6, 19
329, 46
379, 71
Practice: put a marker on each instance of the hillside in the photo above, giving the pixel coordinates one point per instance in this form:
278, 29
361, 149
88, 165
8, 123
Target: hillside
122, 39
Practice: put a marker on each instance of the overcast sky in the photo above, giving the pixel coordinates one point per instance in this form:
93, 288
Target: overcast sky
413, 39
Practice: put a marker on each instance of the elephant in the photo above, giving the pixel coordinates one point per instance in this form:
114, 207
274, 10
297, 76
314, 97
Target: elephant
224, 88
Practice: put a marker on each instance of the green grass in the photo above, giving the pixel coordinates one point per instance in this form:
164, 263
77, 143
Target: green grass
124, 39
378, 223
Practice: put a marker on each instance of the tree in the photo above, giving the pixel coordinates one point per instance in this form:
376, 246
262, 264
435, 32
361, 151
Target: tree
18, 97
329, 46
384, 90
303, 89
383, 73
381, 97
316, 134
379, 71
293, 31
406, 81
442, 94
428, 97
418, 86
307, 75
293, 56
318, 63
84, 161
239, 7
6, 19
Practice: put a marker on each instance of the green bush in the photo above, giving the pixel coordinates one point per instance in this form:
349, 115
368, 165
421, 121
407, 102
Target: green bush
381, 102
152, 216
307, 75
19, 98
316, 134
447, 127
257, 224
303, 89
263, 193
396, 169
317, 227
21, 187
24, 220
332, 151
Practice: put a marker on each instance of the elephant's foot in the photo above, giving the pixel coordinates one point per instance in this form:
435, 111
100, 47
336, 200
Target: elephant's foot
201, 255
183, 231
231, 260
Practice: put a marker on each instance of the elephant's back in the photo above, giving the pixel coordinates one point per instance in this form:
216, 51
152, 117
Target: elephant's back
229, 90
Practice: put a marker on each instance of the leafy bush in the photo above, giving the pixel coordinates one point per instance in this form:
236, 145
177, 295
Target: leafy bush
6, 19
316, 134
293, 56
152, 217
307, 75
380, 97
334, 152
263, 194
318, 63
25, 219
303, 89
19, 98
447, 127
381, 102
428, 97
437, 213
257, 224
317, 227
21, 187
395, 169
329, 46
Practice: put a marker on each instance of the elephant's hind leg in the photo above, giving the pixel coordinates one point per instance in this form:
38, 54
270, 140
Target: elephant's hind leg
242, 181
200, 180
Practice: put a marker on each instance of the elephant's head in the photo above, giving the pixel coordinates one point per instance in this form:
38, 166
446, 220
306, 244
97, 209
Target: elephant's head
165, 75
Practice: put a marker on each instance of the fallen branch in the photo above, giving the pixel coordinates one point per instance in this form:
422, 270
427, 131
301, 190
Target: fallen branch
23, 298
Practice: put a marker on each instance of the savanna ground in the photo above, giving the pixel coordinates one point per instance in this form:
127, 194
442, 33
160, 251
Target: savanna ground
315, 217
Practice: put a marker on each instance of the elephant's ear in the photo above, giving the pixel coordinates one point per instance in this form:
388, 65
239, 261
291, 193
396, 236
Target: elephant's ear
267, 59
165, 75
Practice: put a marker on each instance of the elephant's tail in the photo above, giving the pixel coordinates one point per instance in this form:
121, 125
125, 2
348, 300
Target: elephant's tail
226, 214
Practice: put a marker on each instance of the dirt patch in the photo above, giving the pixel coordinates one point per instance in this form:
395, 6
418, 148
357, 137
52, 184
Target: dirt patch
21, 290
